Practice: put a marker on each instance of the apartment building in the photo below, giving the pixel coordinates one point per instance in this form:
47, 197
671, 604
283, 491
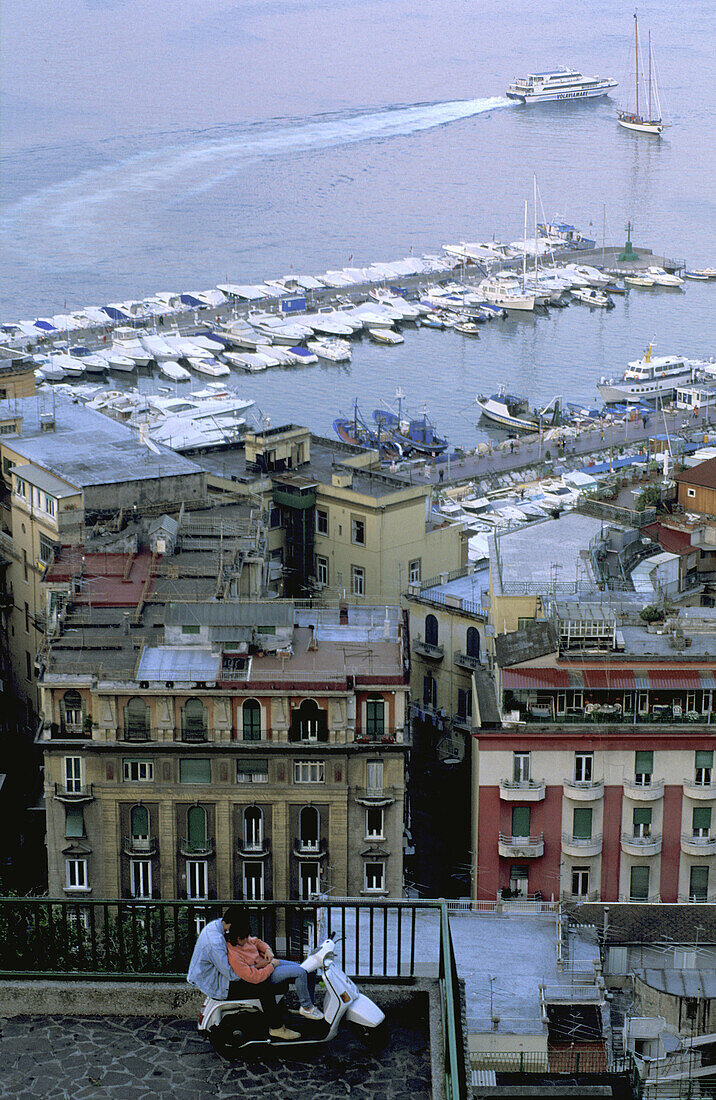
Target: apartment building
201, 747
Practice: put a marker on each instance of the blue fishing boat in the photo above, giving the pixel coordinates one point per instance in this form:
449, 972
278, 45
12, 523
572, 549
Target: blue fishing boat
357, 433
412, 434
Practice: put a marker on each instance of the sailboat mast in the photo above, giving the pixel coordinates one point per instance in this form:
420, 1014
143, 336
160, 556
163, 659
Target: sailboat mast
534, 187
524, 252
649, 76
636, 61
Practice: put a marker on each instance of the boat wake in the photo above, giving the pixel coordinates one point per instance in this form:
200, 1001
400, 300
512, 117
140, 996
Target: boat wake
133, 188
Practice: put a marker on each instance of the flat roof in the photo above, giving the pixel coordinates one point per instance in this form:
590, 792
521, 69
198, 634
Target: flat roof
550, 551
45, 481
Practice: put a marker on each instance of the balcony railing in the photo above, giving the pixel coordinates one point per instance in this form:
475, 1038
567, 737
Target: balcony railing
644, 792
521, 847
577, 899
581, 846
376, 795
309, 849
692, 789
196, 848
254, 849
698, 845
74, 792
650, 899
466, 661
427, 649
581, 790
387, 735
194, 734
641, 845
140, 846
522, 790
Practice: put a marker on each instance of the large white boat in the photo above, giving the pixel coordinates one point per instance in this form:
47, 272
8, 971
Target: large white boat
634, 117
559, 84
649, 378
509, 411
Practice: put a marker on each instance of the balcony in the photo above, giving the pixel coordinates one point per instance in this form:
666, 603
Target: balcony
692, 899
427, 649
698, 845
140, 846
196, 849
254, 849
462, 722
522, 790
644, 792
584, 790
310, 849
380, 736
520, 847
580, 899
652, 899
464, 660
194, 735
375, 796
76, 792
692, 789
641, 845
581, 846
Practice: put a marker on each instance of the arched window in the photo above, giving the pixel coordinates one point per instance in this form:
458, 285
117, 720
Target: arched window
251, 718
72, 710
139, 823
473, 642
309, 722
193, 721
253, 828
431, 630
375, 716
136, 720
309, 822
196, 828
430, 691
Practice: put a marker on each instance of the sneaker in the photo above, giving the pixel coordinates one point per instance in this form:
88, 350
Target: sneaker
283, 1032
311, 1013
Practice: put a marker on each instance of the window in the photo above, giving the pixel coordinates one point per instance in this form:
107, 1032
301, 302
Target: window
375, 716
519, 880
190, 628
643, 768
699, 884
139, 826
580, 882
430, 691
136, 720
309, 874
321, 569
691, 492
703, 763
525, 621
472, 645
197, 879
701, 821
321, 521
24, 564
193, 721
76, 874
138, 771
375, 876
357, 580
639, 884
27, 618
464, 703
358, 531
140, 878
20, 487
196, 827
642, 702
309, 722
28, 666
253, 829
74, 822
253, 881
49, 505
275, 517
251, 720
308, 829
706, 702
195, 770
374, 828
521, 771
642, 822
414, 571
431, 630
309, 771
251, 770
71, 711
73, 774
374, 775
582, 823
47, 549
521, 821
583, 767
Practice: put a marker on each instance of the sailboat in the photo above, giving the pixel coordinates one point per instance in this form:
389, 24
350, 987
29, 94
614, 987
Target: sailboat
651, 122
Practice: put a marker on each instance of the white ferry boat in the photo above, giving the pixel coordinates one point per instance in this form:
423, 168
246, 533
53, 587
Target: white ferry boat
559, 84
649, 378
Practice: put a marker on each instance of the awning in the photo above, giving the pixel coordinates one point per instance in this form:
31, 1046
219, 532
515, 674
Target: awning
535, 679
606, 679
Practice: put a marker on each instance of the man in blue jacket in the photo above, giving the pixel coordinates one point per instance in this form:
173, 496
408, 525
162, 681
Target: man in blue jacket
210, 972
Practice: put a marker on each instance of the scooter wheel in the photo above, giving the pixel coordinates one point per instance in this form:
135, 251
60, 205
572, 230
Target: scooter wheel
227, 1038
373, 1039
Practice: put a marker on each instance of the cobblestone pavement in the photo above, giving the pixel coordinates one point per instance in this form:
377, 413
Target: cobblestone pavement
136, 1058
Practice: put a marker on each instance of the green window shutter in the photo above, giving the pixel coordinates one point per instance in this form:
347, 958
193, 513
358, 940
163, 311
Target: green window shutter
74, 822
140, 821
704, 758
642, 815
702, 817
191, 629
699, 883
196, 826
194, 771
639, 883
644, 764
251, 712
582, 822
521, 821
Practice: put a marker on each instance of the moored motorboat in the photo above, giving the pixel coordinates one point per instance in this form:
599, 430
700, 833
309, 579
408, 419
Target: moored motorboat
467, 328
385, 336
640, 280
703, 275
174, 371
663, 278
338, 351
210, 366
590, 296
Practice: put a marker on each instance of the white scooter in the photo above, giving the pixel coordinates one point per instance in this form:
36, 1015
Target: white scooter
233, 1026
